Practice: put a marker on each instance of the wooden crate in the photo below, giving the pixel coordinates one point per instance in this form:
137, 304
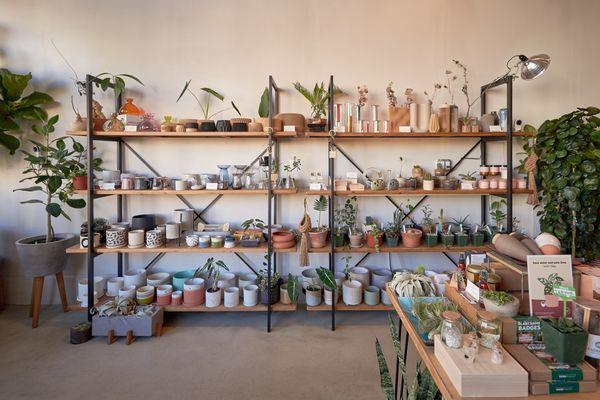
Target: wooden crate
482, 378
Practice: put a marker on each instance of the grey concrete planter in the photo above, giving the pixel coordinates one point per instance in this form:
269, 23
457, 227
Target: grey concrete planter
44, 259
145, 325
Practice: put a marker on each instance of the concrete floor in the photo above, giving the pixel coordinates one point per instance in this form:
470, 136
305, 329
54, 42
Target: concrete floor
221, 356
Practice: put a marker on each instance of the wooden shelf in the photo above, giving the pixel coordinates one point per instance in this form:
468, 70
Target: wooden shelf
409, 135
277, 307
173, 248
401, 249
418, 192
240, 192
343, 307
100, 134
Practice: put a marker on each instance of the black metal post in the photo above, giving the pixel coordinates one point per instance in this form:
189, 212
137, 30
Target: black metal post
404, 356
90, 198
269, 197
331, 174
509, 154
120, 167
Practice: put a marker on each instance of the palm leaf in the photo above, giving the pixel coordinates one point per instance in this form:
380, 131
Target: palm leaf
213, 93
384, 373
326, 276
132, 77
236, 109
320, 203
304, 91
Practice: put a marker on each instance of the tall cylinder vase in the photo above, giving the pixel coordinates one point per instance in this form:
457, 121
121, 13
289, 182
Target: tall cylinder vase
424, 113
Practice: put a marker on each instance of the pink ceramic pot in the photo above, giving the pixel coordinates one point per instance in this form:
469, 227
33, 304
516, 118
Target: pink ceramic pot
163, 300
176, 298
501, 183
493, 183
193, 297
483, 184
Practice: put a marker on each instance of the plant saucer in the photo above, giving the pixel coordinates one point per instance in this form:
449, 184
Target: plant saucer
136, 247
115, 247
357, 247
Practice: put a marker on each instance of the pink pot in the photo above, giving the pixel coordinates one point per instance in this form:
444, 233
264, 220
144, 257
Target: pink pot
318, 239
193, 297
493, 183
176, 298
163, 300
412, 238
483, 184
501, 183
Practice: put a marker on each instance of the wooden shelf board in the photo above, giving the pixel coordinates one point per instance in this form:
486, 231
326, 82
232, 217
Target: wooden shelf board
184, 134
363, 135
173, 248
343, 307
278, 307
418, 192
241, 192
401, 249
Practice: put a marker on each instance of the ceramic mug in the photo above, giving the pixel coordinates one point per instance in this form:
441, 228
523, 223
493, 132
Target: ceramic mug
127, 291
204, 241
172, 230
113, 286
154, 238
192, 240
136, 238
371, 295
116, 238
250, 295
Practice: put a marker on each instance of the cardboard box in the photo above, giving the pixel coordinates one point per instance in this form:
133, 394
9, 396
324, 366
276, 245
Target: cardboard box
555, 387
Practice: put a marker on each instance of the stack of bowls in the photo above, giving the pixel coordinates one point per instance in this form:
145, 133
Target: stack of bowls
145, 295
135, 277
159, 278
180, 277
283, 239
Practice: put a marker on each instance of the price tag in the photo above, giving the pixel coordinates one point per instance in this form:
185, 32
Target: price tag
565, 293
332, 154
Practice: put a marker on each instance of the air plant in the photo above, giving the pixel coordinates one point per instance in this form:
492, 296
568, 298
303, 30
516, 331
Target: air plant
391, 95
410, 284
362, 95
429, 314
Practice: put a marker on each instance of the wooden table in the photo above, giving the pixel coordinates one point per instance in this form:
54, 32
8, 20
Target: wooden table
437, 372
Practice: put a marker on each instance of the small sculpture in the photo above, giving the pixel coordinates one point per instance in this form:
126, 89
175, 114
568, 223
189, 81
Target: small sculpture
362, 95
471, 346
97, 108
497, 355
79, 123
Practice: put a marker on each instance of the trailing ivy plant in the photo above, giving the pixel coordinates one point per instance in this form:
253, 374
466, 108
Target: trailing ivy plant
568, 150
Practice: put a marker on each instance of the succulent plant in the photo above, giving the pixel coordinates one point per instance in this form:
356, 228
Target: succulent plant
500, 298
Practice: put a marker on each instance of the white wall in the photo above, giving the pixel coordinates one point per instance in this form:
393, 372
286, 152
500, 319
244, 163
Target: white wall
234, 45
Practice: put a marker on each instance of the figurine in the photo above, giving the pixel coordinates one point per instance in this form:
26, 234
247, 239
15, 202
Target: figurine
97, 107
79, 123
362, 95
471, 346
497, 355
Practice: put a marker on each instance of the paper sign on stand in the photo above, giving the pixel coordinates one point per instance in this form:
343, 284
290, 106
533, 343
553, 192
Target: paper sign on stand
543, 274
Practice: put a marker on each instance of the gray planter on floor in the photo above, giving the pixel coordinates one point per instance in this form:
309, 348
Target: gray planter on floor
44, 259
145, 325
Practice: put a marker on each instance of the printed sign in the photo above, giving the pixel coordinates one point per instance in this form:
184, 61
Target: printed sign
544, 273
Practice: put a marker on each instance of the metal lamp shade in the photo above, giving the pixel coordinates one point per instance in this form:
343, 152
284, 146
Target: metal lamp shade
534, 66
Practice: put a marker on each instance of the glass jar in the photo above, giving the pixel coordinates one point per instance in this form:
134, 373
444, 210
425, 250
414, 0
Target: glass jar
417, 172
113, 124
474, 272
488, 328
130, 108
237, 181
148, 124
452, 329
493, 281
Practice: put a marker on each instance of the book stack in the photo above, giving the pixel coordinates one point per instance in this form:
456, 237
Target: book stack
547, 376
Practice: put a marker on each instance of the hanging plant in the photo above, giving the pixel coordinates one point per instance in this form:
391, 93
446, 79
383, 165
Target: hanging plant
569, 173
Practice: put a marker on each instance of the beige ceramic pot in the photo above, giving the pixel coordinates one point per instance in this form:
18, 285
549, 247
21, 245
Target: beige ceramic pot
511, 246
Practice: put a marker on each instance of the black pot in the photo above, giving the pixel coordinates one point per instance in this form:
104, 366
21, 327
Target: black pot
264, 295
192, 126
208, 126
143, 221
319, 127
223, 125
239, 127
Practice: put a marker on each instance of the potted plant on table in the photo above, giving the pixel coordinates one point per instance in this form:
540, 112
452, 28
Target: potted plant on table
212, 270
251, 233
265, 286
375, 238
318, 235
428, 182
413, 284
468, 180
318, 99
46, 255
565, 340
500, 303
207, 124
294, 165
289, 291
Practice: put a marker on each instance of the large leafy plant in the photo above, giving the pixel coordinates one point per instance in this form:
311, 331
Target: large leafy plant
16, 108
317, 98
205, 107
50, 166
568, 150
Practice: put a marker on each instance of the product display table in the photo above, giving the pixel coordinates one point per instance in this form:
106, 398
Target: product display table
438, 373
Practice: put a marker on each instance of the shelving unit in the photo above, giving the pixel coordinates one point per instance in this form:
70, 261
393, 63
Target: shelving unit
272, 151
482, 139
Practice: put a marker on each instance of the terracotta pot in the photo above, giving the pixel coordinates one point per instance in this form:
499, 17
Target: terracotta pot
284, 245
371, 240
412, 238
356, 240
511, 246
318, 239
255, 127
80, 182
282, 236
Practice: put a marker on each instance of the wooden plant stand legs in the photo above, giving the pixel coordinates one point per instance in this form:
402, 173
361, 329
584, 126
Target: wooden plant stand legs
36, 297
2, 300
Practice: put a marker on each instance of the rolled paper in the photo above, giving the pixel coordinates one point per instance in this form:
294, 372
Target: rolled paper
530, 244
511, 246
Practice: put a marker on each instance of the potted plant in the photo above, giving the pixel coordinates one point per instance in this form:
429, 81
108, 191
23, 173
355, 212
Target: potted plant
345, 219
375, 238
318, 235
498, 216
211, 270
251, 233
501, 303
447, 237
411, 237
207, 124
16, 108
565, 340
99, 225
318, 99
427, 225
263, 114
467, 181
392, 230
77, 168
273, 286
46, 255
289, 291
477, 236
551, 300
294, 165
428, 182
331, 290
313, 295
413, 284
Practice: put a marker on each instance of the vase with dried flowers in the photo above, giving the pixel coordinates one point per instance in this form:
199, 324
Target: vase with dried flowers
434, 122
448, 112
468, 121
397, 115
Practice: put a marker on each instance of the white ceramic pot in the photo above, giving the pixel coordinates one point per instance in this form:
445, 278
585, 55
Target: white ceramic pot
284, 298
81, 289
84, 299
127, 291
385, 299
136, 238
328, 295
467, 185
352, 292
226, 280
113, 286
158, 278
100, 285
232, 297
361, 274
381, 276
371, 295
309, 276
192, 240
135, 277
213, 299
245, 280
428, 185
173, 230
250, 295
506, 310
185, 216
339, 277
313, 297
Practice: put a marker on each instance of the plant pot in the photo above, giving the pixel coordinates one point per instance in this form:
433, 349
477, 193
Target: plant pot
385, 298
509, 309
467, 185
352, 293
447, 239
371, 240
43, 259
282, 236
250, 295
284, 297
431, 239
392, 241
309, 276
477, 238
412, 238
213, 299
264, 295
339, 240
231, 297
428, 185
223, 125
313, 297
180, 277
462, 239
208, 126
568, 348
318, 238
249, 242
371, 295
379, 277
277, 124
356, 239
551, 300
284, 245
361, 274
80, 182
226, 280
330, 296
